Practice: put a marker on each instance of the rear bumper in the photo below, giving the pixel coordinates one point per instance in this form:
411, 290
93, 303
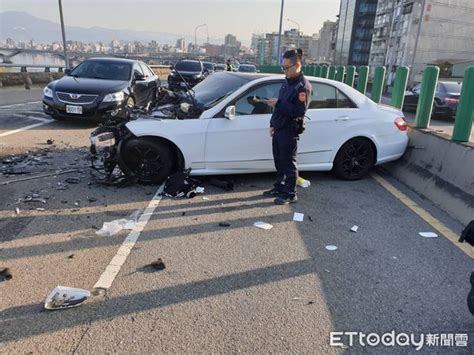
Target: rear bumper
391, 147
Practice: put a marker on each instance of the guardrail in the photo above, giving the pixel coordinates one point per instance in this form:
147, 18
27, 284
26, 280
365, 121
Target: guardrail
465, 110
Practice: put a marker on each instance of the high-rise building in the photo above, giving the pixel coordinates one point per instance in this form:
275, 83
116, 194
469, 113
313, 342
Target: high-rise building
354, 33
230, 40
415, 33
325, 51
181, 45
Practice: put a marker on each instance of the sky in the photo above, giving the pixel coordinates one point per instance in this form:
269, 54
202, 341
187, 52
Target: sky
238, 17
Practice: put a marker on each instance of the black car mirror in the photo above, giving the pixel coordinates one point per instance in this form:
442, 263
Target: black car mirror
139, 77
67, 71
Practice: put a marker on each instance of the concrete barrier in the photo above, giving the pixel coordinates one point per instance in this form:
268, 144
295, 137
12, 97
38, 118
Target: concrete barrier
27, 79
440, 170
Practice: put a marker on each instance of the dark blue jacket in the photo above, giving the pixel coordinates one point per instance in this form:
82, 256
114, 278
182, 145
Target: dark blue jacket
293, 101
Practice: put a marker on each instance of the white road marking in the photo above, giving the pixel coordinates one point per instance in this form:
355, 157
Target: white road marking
111, 271
21, 104
34, 118
25, 128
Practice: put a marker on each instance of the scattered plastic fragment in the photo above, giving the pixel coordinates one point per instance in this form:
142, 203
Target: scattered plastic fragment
40, 209
71, 256
224, 224
111, 228
66, 297
17, 210
302, 182
331, 247
40, 176
428, 234
298, 217
50, 141
354, 228
91, 199
205, 198
263, 225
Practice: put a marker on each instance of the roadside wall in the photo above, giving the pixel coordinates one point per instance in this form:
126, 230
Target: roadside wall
440, 170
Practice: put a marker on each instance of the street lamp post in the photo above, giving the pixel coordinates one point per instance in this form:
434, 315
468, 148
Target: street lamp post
66, 59
279, 31
298, 25
195, 36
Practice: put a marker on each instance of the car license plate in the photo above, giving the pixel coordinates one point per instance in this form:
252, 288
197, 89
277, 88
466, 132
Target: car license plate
74, 109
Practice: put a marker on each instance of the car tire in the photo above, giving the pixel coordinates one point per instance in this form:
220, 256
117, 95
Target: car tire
354, 159
146, 159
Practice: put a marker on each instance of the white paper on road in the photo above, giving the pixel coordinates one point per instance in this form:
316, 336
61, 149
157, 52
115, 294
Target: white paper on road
354, 229
428, 234
298, 217
111, 228
331, 247
263, 225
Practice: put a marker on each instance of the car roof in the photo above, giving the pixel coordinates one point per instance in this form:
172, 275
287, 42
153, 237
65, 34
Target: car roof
114, 60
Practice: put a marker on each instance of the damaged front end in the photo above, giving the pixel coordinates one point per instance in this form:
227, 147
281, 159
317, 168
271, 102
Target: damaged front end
107, 163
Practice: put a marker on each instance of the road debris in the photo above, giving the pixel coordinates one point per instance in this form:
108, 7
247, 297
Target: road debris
298, 217
223, 184
158, 264
71, 256
263, 225
29, 199
65, 297
72, 180
17, 211
224, 224
49, 141
310, 218
111, 228
302, 182
354, 228
181, 185
5, 274
205, 198
91, 199
428, 234
40, 176
331, 247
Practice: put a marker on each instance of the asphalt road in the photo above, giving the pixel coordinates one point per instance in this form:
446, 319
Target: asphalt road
225, 289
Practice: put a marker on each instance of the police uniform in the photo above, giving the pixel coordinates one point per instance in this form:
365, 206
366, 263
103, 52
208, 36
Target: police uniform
290, 109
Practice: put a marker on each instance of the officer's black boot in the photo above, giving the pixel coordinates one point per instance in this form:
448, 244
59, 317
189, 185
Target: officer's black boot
286, 199
470, 296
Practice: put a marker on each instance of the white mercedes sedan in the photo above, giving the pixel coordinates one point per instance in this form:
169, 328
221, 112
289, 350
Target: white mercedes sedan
221, 126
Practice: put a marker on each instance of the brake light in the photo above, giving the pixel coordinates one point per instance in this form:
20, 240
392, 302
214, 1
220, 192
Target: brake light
401, 124
451, 101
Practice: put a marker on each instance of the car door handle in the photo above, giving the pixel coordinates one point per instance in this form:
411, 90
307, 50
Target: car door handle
342, 118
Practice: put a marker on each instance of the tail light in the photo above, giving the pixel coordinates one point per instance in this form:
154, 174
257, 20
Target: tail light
451, 101
401, 124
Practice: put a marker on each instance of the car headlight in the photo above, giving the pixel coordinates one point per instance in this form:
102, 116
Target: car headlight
115, 97
198, 76
48, 92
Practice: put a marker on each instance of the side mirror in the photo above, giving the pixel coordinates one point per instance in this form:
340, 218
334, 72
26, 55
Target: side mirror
230, 112
139, 77
67, 71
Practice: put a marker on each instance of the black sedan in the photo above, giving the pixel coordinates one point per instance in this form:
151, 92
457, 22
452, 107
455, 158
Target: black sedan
446, 99
101, 88
186, 74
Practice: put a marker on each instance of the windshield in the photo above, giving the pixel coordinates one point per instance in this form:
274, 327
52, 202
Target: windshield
217, 86
247, 68
102, 70
454, 88
208, 66
186, 65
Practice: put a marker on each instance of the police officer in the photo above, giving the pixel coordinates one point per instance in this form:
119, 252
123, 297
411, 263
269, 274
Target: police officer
286, 124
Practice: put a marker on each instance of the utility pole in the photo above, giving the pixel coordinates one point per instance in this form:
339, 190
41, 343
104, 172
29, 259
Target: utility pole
66, 59
279, 32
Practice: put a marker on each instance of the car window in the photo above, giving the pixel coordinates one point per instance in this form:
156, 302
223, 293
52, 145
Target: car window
251, 103
102, 70
453, 88
144, 69
327, 96
137, 69
188, 65
152, 73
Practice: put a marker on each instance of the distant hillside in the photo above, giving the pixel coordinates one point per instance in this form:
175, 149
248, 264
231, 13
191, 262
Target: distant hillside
21, 26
